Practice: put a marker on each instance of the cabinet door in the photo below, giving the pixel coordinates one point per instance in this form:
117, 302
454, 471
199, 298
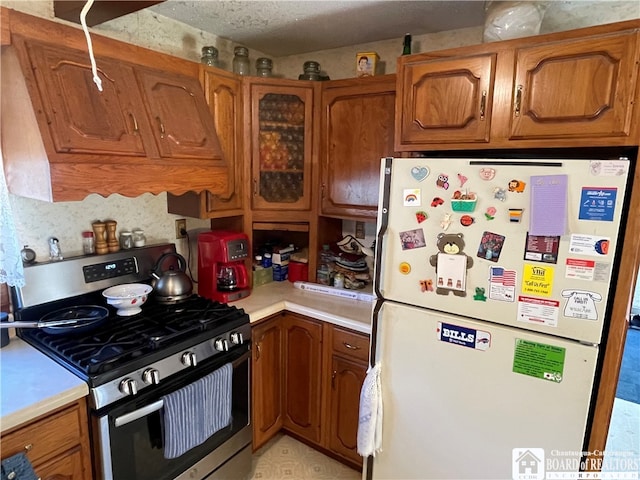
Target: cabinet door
224, 96
266, 381
579, 88
179, 116
82, 119
281, 147
303, 368
445, 101
347, 377
356, 132
67, 467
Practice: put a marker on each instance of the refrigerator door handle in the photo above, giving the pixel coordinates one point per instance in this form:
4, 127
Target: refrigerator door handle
383, 222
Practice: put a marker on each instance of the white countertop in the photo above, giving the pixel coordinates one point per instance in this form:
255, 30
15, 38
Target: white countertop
31, 384
275, 297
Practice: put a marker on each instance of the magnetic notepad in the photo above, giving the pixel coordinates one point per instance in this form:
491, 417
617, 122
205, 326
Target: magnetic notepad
548, 205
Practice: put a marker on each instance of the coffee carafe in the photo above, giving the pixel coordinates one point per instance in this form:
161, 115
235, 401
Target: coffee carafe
222, 271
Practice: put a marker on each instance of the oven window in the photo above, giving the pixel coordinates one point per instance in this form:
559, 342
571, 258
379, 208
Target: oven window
137, 447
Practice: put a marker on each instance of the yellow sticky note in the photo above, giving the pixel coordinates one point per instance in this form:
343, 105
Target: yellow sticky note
537, 280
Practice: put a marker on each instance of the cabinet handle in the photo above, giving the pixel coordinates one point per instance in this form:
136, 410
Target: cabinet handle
483, 104
135, 123
516, 107
27, 448
257, 351
255, 187
161, 125
333, 380
351, 347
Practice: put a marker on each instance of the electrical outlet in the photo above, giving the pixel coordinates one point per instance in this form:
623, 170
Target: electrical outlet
360, 230
181, 225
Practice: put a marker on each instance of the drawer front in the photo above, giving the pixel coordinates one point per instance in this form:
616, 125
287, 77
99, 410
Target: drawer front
45, 438
352, 344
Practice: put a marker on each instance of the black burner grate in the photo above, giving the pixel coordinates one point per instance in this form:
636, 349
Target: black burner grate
121, 340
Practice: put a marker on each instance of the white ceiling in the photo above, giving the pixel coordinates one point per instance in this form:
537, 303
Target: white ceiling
288, 27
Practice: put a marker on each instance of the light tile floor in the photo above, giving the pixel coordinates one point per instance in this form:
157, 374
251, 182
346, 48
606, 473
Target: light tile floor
286, 458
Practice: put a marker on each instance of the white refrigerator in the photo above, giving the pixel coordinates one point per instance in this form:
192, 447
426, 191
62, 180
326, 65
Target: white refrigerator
493, 280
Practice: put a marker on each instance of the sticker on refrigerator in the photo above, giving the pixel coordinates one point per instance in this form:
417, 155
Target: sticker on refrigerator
467, 337
589, 245
539, 360
538, 311
581, 304
502, 284
490, 246
609, 168
541, 248
411, 197
411, 239
598, 203
420, 173
579, 269
537, 280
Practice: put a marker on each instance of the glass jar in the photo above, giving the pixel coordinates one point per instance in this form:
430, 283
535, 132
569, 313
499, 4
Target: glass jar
209, 56
311, 71
126, 240
241, 60
263, 67
139, 239
88, 243
338, 280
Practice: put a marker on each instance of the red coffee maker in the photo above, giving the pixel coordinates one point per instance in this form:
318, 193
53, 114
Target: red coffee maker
222, 274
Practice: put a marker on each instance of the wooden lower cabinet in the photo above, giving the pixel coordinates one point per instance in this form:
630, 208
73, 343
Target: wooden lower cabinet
57, 445
302, 373
266, 380
307, 376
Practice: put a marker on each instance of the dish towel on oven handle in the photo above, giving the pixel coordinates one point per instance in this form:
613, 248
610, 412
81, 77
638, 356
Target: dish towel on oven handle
197, 411
370, 417
17, 467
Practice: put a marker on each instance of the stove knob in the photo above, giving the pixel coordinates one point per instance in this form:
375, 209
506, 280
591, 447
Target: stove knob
236, 338
221, 344
129, 386
189, 359
151, 376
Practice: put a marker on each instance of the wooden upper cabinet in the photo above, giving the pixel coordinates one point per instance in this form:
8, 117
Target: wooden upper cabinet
444, 101
82, 119
356, 132
178, 112
281, 144
575, 89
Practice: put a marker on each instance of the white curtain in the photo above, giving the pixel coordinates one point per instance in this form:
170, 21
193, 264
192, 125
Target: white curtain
11, 271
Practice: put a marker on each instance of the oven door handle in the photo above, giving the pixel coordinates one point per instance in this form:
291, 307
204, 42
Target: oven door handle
136, 414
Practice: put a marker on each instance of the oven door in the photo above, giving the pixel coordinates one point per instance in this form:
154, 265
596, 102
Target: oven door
128, 438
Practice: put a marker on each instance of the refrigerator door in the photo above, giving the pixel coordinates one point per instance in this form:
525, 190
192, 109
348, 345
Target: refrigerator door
530, 244
454, 411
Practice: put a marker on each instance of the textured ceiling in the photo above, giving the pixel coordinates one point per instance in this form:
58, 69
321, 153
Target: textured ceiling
288, 27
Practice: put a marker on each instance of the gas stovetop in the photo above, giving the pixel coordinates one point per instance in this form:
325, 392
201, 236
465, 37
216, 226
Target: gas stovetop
123, 355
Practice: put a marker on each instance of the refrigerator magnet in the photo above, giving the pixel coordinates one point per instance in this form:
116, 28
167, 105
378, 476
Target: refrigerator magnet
421, 216
487, 173
490, 214
462, 179
411, 197
502, 284
420, 173
515, 215
443, 181
517, 186
404, 268
426, 285
539, 360
500, 194
541, 248
445, 223
436, 202
537, 280
490, 246
411, 239
463, 336
592, 245
466, 220
480, 295
451, 264
598, 203
581, 304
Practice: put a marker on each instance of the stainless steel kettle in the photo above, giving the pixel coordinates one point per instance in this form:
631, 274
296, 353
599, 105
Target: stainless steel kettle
171, 285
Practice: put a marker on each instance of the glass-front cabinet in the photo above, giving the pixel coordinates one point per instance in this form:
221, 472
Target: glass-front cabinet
281, 146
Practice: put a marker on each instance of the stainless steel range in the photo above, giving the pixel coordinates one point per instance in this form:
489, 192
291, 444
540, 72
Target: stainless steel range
133, 364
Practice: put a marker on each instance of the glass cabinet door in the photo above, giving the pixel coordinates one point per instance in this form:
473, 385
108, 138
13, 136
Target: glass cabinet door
281, 147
